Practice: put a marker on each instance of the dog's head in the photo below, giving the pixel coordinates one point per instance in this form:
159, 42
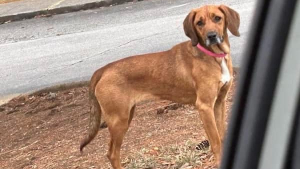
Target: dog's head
208, 26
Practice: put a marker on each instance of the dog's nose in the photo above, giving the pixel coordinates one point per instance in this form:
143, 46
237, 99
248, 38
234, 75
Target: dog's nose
211, 35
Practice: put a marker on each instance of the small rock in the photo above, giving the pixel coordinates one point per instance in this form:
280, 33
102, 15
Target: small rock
29, 112
8, 21
51, 96
156, 148
53, 112
69, 97
12, 111
165, 109
186, 166
160, 111
20, 98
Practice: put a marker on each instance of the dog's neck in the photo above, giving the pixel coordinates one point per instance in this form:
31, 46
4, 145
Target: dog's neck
220, 57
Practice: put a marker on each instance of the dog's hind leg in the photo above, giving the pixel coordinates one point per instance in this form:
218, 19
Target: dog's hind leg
118, 127
117, 132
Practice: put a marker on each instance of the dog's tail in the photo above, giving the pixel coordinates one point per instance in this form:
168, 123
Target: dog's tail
95, 110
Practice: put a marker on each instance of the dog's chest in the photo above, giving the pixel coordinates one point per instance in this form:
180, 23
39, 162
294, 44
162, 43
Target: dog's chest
225, 77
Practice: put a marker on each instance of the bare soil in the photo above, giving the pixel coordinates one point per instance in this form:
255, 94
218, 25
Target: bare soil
44, 131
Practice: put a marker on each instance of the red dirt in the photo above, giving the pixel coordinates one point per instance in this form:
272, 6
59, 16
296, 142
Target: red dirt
44, 131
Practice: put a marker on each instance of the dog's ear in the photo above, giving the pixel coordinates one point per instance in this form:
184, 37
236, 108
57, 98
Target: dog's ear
232, 19
189, 28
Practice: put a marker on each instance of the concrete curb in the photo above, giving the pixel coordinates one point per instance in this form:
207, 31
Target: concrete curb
61, 10
60, 87
54, 88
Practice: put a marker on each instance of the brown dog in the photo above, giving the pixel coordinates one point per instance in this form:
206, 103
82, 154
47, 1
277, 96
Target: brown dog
184, 74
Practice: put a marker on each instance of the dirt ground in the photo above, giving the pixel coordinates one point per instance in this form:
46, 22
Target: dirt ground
44, 131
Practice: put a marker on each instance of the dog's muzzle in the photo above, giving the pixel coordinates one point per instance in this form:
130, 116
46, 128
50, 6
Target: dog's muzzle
213, 38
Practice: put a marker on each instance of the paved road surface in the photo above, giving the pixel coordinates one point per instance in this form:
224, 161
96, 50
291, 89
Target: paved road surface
41, 52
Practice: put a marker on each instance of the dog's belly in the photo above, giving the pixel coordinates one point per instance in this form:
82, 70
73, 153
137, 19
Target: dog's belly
179, 95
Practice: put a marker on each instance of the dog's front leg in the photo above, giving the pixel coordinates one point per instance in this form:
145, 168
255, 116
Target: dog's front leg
219, 112
206, 111
220, 109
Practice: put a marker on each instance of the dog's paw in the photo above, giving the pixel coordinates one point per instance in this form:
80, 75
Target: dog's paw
203, 145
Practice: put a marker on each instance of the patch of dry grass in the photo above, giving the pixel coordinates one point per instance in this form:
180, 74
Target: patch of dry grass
171, 157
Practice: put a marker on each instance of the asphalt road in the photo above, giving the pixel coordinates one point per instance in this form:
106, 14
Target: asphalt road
41, 52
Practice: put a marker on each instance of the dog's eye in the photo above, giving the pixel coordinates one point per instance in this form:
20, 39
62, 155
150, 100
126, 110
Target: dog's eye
200, 23
217, 18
